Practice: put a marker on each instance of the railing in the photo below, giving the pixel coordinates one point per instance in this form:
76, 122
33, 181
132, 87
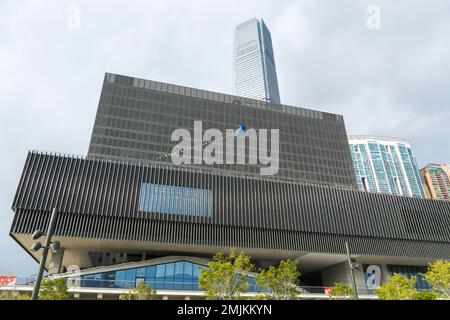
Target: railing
163, 284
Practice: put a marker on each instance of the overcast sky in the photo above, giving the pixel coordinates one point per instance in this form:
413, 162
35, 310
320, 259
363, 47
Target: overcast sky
389, 81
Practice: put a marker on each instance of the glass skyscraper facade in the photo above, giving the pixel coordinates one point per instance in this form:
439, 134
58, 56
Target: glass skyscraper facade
254, 72
385, 165
436, 181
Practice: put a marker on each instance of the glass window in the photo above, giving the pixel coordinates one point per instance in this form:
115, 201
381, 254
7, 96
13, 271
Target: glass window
410, 271
175, 200
181, 275
120, 279
150, 282
150, 272
98, 283
179, 267
108, 279
196, 270
188, 270
130, 278
160, 270
139, 280
140, 272
158, 283
179, 280
169, 278
252, 284
170, 270
88, 281
189, 284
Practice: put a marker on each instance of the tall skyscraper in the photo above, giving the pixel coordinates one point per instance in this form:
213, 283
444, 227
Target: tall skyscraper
254, 72
436, 181
386, 165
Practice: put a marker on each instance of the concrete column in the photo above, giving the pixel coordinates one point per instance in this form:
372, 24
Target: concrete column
340, 273
360, 280
55, 265
337, 273
384, 272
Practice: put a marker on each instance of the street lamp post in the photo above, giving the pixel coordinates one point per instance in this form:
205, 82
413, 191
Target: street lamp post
351, 264
48, 243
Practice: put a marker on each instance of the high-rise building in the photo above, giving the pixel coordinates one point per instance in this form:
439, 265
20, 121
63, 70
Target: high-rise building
386, 165
254, 72
436, 181
126, 215
136, 117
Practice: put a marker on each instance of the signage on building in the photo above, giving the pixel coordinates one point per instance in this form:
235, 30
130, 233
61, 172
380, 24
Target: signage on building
373, 276
7, 280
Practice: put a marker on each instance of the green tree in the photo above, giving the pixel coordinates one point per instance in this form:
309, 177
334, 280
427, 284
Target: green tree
13, 295
281, 281
141, 292
425, 295
397, 287
226, 277
438, 276
341, 291
55, 289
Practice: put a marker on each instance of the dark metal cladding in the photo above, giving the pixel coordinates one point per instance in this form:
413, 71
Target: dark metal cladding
102, 199
136, 117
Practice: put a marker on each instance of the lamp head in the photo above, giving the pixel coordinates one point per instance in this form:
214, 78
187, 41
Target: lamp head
36, 246
37, 234
354, 262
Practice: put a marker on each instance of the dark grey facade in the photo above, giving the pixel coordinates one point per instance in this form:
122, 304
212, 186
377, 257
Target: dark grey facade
123, 203
102, 200
136, 117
